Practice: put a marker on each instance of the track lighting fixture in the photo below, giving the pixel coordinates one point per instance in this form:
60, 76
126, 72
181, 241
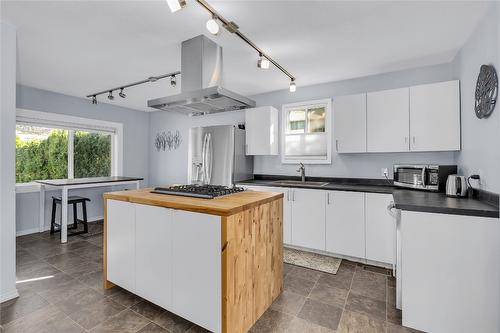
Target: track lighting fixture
293, 86
262, 63
212, 25
176, 5
122, 87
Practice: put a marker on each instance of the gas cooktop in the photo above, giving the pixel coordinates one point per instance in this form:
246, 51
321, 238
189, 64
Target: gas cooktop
198, 191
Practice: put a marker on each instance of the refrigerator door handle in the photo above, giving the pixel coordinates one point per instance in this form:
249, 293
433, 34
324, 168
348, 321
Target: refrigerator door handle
208, 158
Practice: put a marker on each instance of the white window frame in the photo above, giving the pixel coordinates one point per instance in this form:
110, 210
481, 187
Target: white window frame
72, 123
328, 131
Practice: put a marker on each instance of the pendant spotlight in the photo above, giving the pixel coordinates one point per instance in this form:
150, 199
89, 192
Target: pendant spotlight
262, 63
121, 88
293, 86
176, 5
212, 26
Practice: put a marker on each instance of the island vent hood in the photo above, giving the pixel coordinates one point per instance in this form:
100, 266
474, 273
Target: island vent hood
201, 90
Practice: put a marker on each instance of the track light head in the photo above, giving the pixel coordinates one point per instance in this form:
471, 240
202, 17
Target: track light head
293, 86
121, 93
212, 26
94, 99
173, 81
110, 96
176, 5
263, 63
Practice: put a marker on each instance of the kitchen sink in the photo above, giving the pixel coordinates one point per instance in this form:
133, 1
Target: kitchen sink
299, 183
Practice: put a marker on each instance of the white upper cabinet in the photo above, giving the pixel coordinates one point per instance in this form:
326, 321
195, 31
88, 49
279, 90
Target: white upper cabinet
350, 123
345, 223
388, 120
261, 127
435, 117
380, 229
308, 218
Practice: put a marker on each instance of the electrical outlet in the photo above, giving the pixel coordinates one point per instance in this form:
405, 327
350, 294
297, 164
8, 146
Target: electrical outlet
385, 172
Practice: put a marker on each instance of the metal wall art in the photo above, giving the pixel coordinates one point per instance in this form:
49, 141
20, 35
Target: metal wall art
486, 91
167, 141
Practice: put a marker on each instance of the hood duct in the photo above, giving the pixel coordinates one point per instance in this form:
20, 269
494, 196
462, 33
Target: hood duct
201, 85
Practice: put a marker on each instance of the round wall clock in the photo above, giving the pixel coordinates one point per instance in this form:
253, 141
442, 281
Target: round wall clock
486, 91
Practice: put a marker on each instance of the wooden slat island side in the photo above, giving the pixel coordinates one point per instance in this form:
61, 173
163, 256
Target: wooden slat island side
248, 228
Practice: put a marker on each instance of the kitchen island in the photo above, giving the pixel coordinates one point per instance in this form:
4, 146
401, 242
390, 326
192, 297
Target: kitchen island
216, 262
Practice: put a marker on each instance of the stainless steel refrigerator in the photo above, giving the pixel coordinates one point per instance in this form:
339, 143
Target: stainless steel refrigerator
217, 156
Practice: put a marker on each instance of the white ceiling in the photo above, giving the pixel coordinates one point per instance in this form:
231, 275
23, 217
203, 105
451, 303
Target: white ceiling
80, 47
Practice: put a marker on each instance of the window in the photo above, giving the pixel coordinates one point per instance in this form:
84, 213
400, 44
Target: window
53, 146
307, 132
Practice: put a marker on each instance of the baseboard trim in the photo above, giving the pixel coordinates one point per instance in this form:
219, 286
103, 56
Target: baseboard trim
4, 297
47, 227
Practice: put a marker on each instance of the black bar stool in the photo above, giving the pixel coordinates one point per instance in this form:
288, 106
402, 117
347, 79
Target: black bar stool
72, 200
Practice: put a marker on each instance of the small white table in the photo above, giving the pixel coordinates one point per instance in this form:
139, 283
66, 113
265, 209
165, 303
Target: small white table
70, 184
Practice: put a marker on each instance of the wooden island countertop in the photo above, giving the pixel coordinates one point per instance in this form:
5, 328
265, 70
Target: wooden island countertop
220, 206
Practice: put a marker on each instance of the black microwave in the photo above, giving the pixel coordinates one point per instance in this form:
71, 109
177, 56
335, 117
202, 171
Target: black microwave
429, 177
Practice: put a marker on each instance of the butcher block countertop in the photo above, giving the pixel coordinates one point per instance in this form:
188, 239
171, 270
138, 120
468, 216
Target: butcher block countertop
221, 206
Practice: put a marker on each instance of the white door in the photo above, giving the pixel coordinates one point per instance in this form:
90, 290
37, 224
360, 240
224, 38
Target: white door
435, 116
380, 229
120, 234
350, 123
308, 218
154, 254
287, 208
388, 120
197, 268
345, 223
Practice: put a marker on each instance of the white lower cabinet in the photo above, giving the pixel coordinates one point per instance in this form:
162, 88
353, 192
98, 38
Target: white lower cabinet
197, 268
153, 255
121, 243
308, 218
345, 223
380, 229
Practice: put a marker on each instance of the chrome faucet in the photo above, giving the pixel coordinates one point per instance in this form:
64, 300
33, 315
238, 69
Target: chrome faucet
302, 170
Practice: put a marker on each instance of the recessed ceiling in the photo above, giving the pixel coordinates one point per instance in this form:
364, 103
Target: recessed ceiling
80, 47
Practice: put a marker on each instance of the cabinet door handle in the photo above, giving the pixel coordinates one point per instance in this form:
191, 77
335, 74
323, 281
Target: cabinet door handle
293, 195
413, 138
328, 198
246, 149
337, 145
287, 195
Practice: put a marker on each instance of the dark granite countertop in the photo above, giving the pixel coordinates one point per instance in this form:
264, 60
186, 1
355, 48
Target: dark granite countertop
404, 199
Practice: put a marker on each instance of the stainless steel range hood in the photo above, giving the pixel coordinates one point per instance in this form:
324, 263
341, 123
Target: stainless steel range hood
201, 90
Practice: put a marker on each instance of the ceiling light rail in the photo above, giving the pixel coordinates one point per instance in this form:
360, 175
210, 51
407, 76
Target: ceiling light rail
172, 77
233, 28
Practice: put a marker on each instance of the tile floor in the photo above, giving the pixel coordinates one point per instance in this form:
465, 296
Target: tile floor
61, 290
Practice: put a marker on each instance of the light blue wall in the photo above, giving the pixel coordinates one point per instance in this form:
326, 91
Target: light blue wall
480, 137
135, 141
167, 167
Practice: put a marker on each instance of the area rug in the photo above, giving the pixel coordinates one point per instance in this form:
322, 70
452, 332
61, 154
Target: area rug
311, 260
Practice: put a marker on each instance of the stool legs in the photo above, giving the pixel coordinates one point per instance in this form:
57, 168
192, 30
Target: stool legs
75, 216
53, 217
85, 222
